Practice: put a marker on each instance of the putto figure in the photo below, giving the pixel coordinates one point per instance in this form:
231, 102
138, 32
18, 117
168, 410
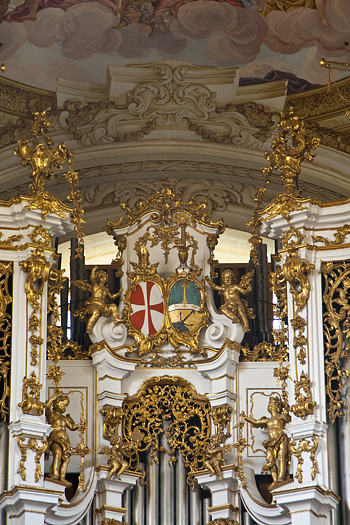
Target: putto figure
277, 446
58, 441
117, 463
215, 456
96, 306
234, 307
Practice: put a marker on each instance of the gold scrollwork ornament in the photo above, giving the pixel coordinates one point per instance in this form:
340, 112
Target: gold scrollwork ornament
223, 521
305, 446
336, 330
170, 405
221, 416
304, 404
6, 271
38, 271
295, 271
31, 403
32, 445
42, 157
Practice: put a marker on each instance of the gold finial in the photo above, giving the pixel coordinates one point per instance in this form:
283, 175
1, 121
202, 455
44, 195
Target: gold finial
181, 246
42, 158
2, 68
290, 149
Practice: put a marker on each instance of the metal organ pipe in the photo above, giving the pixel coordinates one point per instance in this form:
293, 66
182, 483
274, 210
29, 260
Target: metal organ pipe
139, 502
167, 502
181, 503
195, 507
152, 493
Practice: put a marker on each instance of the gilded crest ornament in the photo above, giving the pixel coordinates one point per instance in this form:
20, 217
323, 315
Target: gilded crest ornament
158, 310
145, 306
165, 301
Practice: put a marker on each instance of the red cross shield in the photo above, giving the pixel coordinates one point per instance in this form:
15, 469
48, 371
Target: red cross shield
147, 308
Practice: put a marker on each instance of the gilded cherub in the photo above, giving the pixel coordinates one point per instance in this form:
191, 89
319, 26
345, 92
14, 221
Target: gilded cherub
215, 456
234, 307
96, 305
277, 446
117, 463
58, 441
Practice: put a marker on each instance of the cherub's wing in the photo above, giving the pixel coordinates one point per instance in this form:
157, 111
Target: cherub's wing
249, 311
83, 285
246, 281
148, 7
106, 451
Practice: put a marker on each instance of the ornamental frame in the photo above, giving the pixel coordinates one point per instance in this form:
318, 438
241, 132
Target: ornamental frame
175, 400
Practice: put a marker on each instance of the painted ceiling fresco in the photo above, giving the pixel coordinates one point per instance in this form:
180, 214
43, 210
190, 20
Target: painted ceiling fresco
266, 39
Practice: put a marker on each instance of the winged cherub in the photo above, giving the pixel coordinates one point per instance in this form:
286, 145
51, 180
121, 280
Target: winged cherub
116, 456
96, 306
215, 456
234, 307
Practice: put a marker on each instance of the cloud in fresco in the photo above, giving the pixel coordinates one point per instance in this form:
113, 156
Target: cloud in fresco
83, 29
12, 37
135, 44
234, 34
290, 32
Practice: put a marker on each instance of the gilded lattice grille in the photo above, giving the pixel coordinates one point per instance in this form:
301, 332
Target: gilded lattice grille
6, 271
170, 405
336, 329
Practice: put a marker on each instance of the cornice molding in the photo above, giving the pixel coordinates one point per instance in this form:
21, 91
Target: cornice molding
319, 103
173, 99
231, 181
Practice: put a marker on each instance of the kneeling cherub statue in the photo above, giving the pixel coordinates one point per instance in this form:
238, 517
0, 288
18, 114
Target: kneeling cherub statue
215, 456
277, 446
117, 463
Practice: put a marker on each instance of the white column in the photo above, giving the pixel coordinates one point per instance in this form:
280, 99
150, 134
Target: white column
109, 496
224, 494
